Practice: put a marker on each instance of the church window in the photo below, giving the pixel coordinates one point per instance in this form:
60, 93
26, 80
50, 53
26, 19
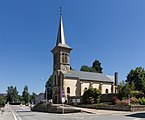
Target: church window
55, 80
55, 59
107, 91
59, 79
85, 88
68, 90
63, 59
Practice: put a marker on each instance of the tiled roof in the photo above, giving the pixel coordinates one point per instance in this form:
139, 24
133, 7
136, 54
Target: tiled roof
87, 76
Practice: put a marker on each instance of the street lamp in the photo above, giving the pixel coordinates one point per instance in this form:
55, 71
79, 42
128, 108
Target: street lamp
45, 90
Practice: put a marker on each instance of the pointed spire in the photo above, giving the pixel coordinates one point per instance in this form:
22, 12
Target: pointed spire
60, 36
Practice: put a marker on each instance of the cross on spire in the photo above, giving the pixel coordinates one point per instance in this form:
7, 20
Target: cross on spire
60, 10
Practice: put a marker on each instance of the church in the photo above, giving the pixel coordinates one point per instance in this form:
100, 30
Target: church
67, 82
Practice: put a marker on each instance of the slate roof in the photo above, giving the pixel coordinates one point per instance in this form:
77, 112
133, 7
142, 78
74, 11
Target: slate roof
87, 76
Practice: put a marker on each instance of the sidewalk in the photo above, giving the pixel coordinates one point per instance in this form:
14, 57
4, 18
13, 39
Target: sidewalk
6, 115
99, 112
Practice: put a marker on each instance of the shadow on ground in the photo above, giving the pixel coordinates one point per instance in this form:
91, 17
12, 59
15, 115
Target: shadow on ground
137, 115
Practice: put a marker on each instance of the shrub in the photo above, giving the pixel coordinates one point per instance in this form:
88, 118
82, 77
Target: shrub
141, 101
92, 96
133, 100
123, 102
137, 94
2, 101
115, 100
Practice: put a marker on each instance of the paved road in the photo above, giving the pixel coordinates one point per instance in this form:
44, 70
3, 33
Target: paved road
24, 113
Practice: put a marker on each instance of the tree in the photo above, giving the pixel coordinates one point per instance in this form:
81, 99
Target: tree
2, 101
32, 97
125, 89
97, 66
121, 89
25, 94
137, 76
12, 94
85, 68
92, 95
49, 88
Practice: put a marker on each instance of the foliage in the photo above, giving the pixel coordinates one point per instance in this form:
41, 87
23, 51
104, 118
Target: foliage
126, 89
133, 100
32, 97
137, 94
141, 101
12, 94
49, 88
85, 68
138, 77
92, 95
25, 94
96, 67
121, 89
2, 100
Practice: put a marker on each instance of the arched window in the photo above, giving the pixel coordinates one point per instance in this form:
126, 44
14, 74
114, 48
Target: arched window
107, 91
55, 80
66, 58
63, 59
68, 90
85, 89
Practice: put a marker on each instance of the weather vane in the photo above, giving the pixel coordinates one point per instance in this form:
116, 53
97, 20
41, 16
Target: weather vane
60, 10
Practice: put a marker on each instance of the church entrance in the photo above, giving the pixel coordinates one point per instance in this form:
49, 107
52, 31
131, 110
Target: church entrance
55, 100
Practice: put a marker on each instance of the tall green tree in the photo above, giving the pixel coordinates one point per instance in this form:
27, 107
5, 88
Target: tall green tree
49, 88
85, 68
137, 76
26, 95
97, 66
12, 94
2, 101
32, 97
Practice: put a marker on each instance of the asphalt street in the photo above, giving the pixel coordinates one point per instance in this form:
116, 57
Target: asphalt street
24, 113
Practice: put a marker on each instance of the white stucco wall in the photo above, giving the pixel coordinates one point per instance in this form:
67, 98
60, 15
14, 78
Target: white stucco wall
106, 86
72, 84
75, 91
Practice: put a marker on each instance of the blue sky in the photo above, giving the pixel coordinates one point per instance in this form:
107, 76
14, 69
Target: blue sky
112, 31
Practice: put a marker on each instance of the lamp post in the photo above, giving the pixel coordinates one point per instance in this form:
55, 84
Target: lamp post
46, 93
45, 90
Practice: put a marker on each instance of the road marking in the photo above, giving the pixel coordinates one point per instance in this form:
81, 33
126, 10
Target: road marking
19, 118
137, 118
14, 116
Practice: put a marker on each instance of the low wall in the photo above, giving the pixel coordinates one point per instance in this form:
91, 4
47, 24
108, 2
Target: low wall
53, 108
75, 100
115, 107
138, 108
79, 99
108, 97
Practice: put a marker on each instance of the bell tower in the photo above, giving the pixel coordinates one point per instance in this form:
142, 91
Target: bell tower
61, 52
61, 63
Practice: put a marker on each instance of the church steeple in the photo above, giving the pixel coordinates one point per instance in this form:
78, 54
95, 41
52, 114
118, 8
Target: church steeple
61, 37
61, 51
61, 62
